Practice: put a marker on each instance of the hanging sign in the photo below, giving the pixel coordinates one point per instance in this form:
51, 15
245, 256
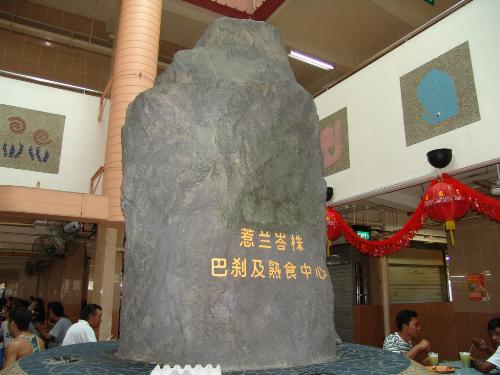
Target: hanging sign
477, 287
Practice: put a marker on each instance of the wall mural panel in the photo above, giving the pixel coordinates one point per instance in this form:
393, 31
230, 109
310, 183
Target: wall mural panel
30, 140
334, 139
439, 96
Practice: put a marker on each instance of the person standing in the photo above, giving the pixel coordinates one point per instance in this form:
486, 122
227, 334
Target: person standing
493, 350
83, 331
408, 331
55, 336
24, 342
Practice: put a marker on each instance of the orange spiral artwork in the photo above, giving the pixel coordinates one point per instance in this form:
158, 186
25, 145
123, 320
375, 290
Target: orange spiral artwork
41, 137
17, 125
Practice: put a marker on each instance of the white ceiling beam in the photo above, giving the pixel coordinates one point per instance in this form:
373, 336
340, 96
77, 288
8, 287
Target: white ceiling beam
411, 15
397, 200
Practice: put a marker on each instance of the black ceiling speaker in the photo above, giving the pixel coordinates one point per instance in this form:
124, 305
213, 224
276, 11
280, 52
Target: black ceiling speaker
440, 157
329, 193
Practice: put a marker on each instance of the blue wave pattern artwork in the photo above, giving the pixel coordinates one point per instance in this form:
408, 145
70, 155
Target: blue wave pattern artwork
438, 96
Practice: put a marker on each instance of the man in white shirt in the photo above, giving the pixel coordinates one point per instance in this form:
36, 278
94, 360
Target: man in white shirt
492, 362
83, 331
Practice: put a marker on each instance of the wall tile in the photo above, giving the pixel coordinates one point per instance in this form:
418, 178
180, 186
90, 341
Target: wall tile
68, 21
94, 82
46, 71
32, 53
38, 12
82, 25
54, 17
12, 63
489, 244
22, 8
48, 56
14, 48
7, 5
29, 67
77, 65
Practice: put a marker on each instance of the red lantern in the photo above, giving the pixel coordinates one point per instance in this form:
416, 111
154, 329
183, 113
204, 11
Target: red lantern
332, 226
445, 203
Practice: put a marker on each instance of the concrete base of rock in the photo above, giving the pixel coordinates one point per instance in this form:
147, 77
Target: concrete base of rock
100, 358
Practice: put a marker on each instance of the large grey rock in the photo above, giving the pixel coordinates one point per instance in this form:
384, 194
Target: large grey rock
225, 141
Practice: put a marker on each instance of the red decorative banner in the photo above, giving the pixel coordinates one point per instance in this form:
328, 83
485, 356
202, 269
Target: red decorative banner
479, 202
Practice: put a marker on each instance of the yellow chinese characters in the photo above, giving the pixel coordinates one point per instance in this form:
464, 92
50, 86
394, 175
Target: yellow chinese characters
274, 270
237, 268
250, 238
296, 243
290, 271
219, 266
258, 269
305, 269
264, 240
321, 273
280, 241
247, 237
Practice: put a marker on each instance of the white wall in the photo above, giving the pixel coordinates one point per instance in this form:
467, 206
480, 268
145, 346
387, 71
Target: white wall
84, 137
377, 147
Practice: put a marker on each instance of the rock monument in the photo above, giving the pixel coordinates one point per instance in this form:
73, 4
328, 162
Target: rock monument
223, 196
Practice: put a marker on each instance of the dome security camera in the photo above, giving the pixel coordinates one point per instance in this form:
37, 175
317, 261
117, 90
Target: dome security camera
72, 227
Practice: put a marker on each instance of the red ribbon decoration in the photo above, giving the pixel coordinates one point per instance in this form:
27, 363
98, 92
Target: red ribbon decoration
479, 202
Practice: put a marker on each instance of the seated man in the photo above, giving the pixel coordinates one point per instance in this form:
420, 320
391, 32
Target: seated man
83, 331
494, 350
401, 341
24, 342
55, 336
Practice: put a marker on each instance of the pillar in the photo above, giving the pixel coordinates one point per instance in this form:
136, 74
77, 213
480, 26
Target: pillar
134, 71
384, 292
105, 278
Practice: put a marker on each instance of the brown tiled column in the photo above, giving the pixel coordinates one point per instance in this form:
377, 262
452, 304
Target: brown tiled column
134, 71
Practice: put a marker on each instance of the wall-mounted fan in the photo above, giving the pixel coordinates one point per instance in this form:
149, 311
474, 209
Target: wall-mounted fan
36, 265
47, 246
492, 186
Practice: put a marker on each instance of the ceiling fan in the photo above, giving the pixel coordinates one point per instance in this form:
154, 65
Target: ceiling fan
492, 186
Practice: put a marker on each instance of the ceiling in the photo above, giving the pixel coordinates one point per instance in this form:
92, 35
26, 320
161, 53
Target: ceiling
345, 33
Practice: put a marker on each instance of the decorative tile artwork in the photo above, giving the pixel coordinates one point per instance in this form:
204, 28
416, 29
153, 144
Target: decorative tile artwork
439, 96
30, 139
334, 140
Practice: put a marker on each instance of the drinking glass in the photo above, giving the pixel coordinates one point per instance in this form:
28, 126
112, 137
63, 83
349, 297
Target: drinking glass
433, 358
465, 358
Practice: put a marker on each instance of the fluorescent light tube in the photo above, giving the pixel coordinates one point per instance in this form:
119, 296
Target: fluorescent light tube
310, 60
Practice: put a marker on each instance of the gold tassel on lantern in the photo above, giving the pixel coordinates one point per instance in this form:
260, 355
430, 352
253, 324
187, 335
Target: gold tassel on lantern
450, 227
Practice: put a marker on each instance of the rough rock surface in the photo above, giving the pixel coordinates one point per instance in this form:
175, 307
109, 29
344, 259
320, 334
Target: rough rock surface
225, 143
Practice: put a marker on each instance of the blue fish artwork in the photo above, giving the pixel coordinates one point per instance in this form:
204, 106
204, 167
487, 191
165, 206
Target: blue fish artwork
437, 94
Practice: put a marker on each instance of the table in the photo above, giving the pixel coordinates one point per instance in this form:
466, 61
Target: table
464, 371
99, 358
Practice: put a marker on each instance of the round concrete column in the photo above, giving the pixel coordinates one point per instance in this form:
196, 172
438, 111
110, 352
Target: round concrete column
134, 71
